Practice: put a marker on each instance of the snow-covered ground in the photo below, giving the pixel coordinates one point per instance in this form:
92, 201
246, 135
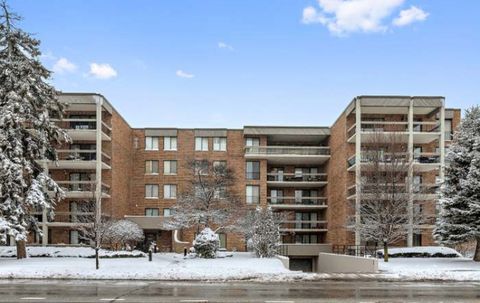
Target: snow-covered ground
165, 266
240, 266
459, 269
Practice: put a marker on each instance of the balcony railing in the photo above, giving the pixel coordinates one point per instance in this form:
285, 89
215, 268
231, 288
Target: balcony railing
426, 158
389, 189
319, 201
395, 127
82, 186
81, 155
83, 124
295, 177
303, 224
288, 150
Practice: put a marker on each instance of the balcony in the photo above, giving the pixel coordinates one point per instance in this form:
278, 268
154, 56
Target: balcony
82, 189
423, 132
84, 129
304, 180
289, 154
79, 159
422, 191
303, 226
280, 203
423, 162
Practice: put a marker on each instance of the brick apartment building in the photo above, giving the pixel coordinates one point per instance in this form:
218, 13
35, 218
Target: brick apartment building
310, 173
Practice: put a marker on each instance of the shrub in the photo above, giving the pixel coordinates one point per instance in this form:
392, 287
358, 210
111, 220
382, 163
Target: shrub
206, 244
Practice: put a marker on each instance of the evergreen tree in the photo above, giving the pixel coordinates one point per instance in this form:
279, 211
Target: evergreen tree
27, 102
265, 235
459, 219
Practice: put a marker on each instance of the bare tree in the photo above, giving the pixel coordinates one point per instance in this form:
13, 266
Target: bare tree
386, 212
93, 225
209, 200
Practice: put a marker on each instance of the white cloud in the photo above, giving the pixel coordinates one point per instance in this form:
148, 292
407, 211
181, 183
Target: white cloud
64, 66
225, 46
102, 70
408, 16
180, 73
342, 17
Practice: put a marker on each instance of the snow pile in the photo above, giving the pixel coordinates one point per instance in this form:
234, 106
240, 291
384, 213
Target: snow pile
206, 244
68, 252
421, 252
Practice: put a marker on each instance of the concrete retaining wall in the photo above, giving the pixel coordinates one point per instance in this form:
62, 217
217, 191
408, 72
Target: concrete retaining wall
285, 261
332, 263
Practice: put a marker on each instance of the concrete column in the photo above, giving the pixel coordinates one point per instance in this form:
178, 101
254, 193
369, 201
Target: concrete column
358, 170
98, 168
44, 214
442, 141
410, 175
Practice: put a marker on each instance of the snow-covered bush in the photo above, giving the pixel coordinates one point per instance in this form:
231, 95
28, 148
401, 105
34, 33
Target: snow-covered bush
265, 237
125, 233
421, 252
206, 244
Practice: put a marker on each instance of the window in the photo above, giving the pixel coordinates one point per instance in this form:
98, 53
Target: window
276, 196
201, 167
151, 143
417, 239
152, 212
151, 191
170, 167
219, 163
252, 170
169, 143
167, 212
219, 144
253, 194
252, 141
74, 237
169, 191
201, 143
223, 240
306, 239
448, 129
151, 167
220, 192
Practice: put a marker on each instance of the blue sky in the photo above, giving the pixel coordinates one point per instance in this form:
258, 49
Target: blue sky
232, 63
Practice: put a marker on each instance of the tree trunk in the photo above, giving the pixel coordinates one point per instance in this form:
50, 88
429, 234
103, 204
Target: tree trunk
97, 260
21, 250
385, 251
476, 256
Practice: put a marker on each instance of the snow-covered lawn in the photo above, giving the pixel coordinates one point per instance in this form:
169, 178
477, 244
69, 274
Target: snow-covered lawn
459, 269
165, 266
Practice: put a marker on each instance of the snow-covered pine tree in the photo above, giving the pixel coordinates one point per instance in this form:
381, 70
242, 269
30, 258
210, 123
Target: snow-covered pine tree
27, 102
206, 244
459, 218
265, 233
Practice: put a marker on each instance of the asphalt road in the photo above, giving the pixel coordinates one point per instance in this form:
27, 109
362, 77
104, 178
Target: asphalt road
131, 291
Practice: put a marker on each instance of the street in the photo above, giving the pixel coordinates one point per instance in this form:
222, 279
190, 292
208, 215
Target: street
328, 291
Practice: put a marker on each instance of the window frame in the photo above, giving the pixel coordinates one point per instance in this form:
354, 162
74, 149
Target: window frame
152, 209
220, 144
152, 186
172, 141
169, 186
249, 199
201, 143
151, 166
152, 142
169, 173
